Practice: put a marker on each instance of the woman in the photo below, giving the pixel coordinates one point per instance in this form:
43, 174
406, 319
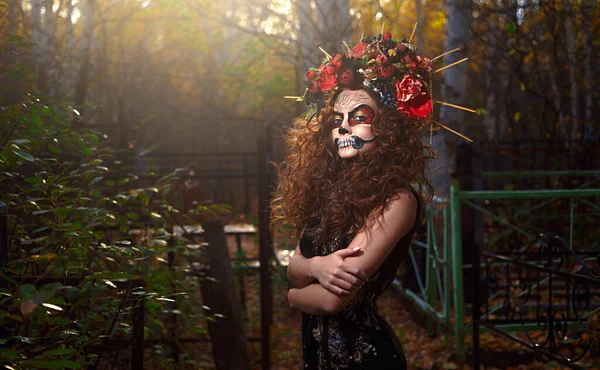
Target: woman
346, 187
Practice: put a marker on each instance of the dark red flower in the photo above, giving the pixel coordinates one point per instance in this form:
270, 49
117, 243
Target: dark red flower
327, 69
418, 107
387, 70
346, 76
327, 77
381, 58
358, 50
412, 98
337, 61
313, 87
311, 75
408, 88
387, 36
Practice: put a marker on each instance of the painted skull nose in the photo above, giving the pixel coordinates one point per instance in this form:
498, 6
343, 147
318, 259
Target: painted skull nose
342, 130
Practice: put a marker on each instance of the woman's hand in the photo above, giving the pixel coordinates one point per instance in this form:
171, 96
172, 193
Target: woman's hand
336, 275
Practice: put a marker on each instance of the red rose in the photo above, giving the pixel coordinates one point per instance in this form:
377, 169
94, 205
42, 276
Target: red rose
381, 58
337, 61
313, 87
412, 98
408, 88
387, 70
311, 75
327, 69
417, 107
401, 47
327, 78
358, 50
413, 66
346, 76
387, 36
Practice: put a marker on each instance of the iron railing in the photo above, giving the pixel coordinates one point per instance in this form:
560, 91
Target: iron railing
467, 198
440, 290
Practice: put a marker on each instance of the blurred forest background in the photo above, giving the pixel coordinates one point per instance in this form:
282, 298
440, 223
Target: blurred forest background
193, 73
83, 81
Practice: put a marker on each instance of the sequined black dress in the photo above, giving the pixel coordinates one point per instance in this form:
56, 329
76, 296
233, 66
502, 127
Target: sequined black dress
357, 337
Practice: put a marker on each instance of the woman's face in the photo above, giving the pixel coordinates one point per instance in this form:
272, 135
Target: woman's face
354, 111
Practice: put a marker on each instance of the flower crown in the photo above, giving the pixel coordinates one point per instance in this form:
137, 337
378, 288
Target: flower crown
392, 69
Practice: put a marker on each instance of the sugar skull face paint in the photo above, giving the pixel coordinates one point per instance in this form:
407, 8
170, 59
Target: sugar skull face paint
354, 111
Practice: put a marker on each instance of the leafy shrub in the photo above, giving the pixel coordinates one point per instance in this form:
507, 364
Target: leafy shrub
83, 229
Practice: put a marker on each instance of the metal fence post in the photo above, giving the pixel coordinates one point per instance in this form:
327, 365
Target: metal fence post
457, 271
3, 235
476, 304
265, 252
447, 265
431, 281
137, 332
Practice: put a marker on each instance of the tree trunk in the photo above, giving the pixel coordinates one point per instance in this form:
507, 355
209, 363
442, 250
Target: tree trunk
306, 41
458, 22
82, 82
36, 35
13, 91
66, 65
557, 104
48, 74
590, 134
572, 53
497, 82
227, 333
333, 20
419, 19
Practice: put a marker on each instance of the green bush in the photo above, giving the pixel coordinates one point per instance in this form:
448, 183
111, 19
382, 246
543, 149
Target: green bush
82, 227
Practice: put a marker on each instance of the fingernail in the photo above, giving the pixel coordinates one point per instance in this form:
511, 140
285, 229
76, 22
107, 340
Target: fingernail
356, 249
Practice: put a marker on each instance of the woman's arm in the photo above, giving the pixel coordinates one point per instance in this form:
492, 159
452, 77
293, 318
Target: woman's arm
314, 300
331, 271
376, 243
299, 270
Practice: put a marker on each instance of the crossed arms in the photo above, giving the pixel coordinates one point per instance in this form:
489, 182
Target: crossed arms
325, 285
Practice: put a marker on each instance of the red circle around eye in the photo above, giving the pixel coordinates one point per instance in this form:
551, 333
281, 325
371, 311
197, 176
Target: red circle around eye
366, 121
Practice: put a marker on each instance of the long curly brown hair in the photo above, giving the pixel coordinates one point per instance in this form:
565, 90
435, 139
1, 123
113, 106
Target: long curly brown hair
316, 185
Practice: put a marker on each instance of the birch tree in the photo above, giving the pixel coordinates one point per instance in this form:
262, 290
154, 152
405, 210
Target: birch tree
454, 85
82, 82
36, 35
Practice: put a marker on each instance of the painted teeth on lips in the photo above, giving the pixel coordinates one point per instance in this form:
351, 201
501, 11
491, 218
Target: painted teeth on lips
345, 142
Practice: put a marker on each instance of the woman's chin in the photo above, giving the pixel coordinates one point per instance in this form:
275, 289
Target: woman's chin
348, 152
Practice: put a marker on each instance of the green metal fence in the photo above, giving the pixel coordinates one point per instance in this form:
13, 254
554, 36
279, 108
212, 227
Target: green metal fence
465, 198
432, 296
440, 295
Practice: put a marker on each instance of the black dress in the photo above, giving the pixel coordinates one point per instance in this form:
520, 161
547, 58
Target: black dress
356, 337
